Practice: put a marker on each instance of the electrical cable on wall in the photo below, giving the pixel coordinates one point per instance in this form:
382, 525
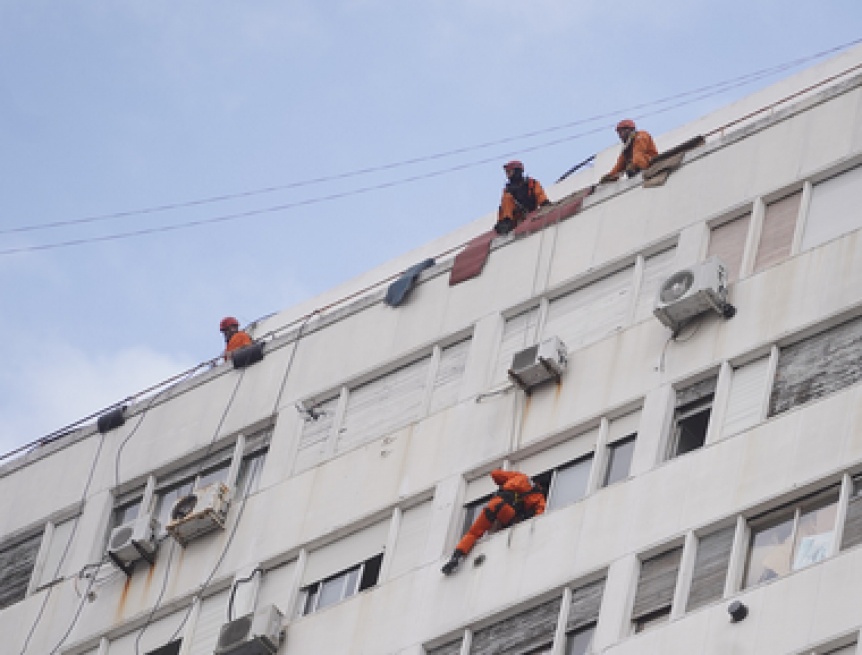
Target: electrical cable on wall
65, 552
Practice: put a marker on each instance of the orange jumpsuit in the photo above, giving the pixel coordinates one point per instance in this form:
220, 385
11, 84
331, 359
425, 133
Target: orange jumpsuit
518, 209
239, 340
638, 153
516, 500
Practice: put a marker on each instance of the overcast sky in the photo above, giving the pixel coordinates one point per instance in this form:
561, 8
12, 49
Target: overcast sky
109, 106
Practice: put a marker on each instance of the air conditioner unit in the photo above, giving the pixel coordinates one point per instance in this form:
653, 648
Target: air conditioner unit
257, 633
134, 541
200, 512
539, 363
691, 292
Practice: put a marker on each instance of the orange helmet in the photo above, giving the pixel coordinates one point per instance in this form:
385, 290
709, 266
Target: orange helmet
626, 123
228, 322
513, 165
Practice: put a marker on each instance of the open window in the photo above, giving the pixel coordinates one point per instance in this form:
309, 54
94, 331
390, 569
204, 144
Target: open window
340, 586
691, 415
342, 568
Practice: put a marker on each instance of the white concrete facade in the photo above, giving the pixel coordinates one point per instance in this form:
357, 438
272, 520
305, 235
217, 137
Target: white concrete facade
388, 469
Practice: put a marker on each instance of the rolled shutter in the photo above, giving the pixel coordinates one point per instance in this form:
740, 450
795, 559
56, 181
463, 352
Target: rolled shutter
727, 242
16, 567
585, 605
657, 582
520, 632
710, 567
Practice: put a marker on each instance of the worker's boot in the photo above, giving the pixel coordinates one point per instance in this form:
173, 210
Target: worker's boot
450, 566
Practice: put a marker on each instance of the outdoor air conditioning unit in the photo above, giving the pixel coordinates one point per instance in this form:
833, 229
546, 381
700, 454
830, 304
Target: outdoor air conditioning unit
539, 363
134, 541
691, 292
257, 633
200, 512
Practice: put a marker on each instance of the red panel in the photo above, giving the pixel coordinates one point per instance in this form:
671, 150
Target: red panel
542, 218
470, 261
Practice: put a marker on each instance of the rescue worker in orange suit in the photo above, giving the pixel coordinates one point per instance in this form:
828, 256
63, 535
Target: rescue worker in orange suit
520, 196
516, 500
638, 151
234, 338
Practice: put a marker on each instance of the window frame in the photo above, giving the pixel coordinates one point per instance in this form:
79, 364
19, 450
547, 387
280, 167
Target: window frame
310, 594
149, 498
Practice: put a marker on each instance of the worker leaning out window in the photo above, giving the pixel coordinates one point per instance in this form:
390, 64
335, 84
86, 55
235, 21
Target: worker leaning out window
638, 151
517, 499
521, 195
234, 338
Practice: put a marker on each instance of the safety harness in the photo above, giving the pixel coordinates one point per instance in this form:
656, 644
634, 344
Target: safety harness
524, 194
516, 501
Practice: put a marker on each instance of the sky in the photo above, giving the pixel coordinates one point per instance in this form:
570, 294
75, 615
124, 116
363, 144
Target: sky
119, 116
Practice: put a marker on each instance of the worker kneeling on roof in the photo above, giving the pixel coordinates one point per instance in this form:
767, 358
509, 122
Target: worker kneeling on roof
520, 196
638, 151
517, 499
234, 338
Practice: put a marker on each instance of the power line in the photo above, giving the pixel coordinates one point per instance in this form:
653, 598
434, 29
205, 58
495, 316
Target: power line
725, 85
341, 194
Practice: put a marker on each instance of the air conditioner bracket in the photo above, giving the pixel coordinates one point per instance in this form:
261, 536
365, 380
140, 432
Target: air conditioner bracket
128, 568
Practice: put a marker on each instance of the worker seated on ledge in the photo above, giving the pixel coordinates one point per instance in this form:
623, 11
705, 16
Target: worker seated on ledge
516, 500
234, 338
520, 196
638, 151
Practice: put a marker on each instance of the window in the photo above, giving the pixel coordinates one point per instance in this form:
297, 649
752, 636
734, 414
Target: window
833, 208
710, 567
172, 648
160, 494
566, 484
853, 522
375, 407
747, 396
691, 417
817, 366
17, 560
472, 511
530, 631
583, 614
619, 460
579, 641
791, 538
727, 242
776, 233
345, 584
655, 590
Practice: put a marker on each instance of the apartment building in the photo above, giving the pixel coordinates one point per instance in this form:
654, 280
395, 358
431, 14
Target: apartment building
704, 482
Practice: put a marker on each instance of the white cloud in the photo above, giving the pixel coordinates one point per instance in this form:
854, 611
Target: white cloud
53, 385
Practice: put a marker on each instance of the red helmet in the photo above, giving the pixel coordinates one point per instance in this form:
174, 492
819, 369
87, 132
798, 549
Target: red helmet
626, 123
512, 165
228, 322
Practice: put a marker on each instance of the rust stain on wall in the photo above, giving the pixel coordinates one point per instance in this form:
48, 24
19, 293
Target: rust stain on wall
124, 596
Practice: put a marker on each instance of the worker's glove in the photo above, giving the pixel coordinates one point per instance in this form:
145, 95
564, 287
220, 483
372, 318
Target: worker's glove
632, 170
504, 226
545, 204
450, 566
